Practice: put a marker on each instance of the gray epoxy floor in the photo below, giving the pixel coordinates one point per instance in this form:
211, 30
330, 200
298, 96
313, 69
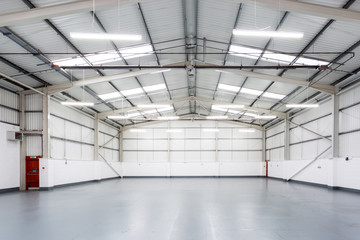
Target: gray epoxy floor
189, 208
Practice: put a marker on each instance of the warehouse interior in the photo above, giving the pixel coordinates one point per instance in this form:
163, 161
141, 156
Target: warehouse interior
180, 119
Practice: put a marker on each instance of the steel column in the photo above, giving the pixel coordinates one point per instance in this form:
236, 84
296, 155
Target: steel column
96, 137
46, 126
287, 139
22, 144
335, 127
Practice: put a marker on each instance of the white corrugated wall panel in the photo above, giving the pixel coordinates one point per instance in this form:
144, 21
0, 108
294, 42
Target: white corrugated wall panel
34, 145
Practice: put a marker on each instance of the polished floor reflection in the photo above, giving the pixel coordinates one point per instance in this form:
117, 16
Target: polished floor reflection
182, 208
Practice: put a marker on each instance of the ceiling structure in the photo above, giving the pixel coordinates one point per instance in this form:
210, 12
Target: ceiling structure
187, 57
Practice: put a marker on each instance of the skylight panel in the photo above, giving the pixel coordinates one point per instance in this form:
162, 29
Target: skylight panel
250, 91
216, 108
271, 56
136, 51
108, 96
228, 87
132, 92
106, 56
155, 87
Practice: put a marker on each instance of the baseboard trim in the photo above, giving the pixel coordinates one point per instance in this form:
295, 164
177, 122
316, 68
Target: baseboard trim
193, 176
353, 190
7, 190
76, 183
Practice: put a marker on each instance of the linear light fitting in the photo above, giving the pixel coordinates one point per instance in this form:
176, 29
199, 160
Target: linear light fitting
273, 34
137, 130
105, 36
108, 96
118, 117
227, 106
302, 105
168, 118
77, 103
154, 106
265, 117
217, 117
210, 130
246, 130
174, 130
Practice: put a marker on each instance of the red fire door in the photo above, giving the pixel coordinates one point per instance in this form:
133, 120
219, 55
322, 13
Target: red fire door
32, 172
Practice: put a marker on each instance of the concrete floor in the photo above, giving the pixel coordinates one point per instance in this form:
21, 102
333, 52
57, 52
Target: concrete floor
192, 208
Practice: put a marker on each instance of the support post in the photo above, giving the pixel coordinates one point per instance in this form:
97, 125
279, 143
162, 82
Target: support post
287, 138
264, 145
96, 137
22, 143
46, 130
335, 129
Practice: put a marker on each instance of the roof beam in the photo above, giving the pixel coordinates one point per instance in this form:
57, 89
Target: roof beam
41, 13
192, 116
318, 86
312, 9
66, 86
266, 111
37, 14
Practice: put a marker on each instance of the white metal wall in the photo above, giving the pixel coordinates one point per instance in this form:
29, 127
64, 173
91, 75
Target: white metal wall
275, 143
9, 107
307, 145
33, 122
304, 144
191, 143
350, 123
72, 135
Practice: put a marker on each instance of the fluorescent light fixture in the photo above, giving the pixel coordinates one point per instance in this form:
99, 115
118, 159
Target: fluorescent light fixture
302, 105
273, 95
254, 53
108, 96
258, 93
228, 87
210, 130
105, 36
224, 110
135, 114
227, 106
132, 91
155, 87
154, 106
246, 130
165, 109
162, 71
118, 117
217, 117
265, 117
77, 103
275, 34
136, 52
138, 130
174, 130
168, 118
250, 114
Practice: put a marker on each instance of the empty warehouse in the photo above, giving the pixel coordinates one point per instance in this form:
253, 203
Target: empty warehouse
180, 119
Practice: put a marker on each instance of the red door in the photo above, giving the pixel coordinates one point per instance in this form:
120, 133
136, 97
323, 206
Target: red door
32, 172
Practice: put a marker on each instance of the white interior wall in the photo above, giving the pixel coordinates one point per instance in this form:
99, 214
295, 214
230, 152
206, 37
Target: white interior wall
10, 158
306, 146
192, 151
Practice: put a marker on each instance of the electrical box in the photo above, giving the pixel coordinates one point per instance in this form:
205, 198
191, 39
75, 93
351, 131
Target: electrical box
14, 136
